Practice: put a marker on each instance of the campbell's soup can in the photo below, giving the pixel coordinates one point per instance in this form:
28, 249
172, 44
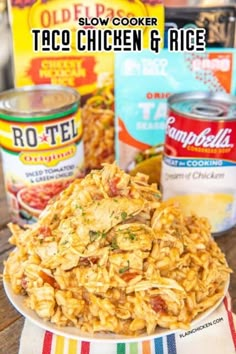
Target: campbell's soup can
41, 145
199, 161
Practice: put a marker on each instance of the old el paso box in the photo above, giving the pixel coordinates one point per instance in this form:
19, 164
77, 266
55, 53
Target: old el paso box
89, 72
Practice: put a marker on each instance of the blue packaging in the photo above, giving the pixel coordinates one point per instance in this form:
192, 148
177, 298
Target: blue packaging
144, 81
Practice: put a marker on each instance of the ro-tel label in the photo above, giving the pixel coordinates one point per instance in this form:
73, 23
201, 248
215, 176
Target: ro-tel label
199, 167
43, 143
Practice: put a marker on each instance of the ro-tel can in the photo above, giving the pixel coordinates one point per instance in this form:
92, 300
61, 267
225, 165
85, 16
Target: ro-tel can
199, 163
42, 149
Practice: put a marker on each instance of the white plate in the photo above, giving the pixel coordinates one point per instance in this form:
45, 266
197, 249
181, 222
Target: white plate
74, 333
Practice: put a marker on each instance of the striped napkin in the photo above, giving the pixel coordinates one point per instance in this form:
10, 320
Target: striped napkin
215, 335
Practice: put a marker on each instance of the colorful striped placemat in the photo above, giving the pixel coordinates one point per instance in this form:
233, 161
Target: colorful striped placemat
215, 335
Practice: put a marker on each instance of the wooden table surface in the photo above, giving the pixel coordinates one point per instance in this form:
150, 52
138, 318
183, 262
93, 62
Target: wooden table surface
11, 322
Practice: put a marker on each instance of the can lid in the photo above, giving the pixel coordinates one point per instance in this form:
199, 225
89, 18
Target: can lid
38, 100
204, 105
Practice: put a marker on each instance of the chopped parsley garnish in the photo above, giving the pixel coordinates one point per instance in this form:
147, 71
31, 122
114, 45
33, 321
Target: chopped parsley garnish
93, 235
114, 245
123, 270
123, 215
158, 195
96, 234
64, 242
132, 236
80, 207
103, 234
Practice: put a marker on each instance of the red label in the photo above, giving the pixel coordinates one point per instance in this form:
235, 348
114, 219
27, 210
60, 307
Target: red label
188, 137
71, 71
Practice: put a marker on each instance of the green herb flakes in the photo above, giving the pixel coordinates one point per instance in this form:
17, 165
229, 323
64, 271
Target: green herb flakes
94, 235
132, 236
104, 234
114, 245
157, 195
64, 242
124, 215
123, 270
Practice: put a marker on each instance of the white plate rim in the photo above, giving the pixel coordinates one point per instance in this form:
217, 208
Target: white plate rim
74, 333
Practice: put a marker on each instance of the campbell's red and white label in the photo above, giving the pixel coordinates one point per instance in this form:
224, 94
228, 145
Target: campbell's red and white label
199, 168
188, 137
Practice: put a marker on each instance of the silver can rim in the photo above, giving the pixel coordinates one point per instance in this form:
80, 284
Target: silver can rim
44, 112
201, 95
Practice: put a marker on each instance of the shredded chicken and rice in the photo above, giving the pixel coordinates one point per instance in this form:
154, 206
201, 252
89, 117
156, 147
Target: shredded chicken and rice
108, 255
